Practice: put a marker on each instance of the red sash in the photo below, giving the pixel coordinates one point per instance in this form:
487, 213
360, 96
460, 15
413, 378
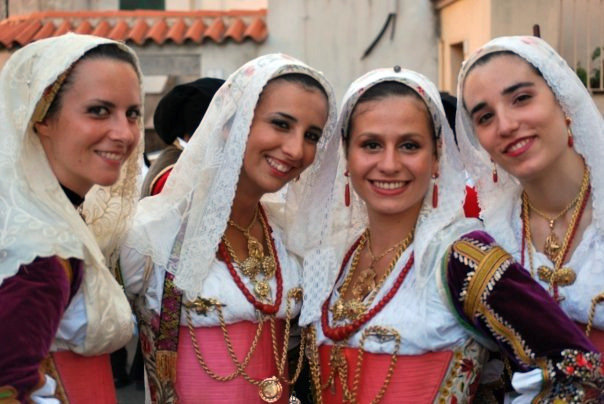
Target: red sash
416, 378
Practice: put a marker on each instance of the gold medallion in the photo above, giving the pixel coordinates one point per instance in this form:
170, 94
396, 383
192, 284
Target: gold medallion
262, 289
250, 266
552, 247
563, 277
268, 267
270, 389
254, 248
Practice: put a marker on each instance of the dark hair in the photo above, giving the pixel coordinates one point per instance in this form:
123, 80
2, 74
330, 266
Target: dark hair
306, 81
105, 51
383, 90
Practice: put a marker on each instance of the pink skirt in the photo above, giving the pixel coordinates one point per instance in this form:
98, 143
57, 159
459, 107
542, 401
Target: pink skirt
416, 378
86, 379
194, 385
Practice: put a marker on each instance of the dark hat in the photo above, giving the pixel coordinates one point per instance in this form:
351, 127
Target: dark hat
181, 109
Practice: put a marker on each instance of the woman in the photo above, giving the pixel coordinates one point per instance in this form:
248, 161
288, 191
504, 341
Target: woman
207, 256
538, 129
418, 285
71, 123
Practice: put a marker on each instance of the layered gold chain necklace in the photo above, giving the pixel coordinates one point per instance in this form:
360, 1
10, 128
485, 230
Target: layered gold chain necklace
555, 250
367, 286
256, 262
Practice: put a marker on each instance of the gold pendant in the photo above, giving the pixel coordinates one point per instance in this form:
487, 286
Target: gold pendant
254, 248
262, 289
268, 267
552, 247
250, 267
562, 277
337, 310
270, 389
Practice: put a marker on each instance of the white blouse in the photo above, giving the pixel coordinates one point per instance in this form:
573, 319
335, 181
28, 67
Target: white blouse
218, 285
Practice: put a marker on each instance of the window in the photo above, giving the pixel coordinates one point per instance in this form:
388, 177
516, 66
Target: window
142, 5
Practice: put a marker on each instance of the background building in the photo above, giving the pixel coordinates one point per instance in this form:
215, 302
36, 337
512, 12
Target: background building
180, 40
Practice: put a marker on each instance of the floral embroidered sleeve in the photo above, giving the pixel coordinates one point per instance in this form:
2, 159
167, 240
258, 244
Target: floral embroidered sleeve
32, 303
495, 297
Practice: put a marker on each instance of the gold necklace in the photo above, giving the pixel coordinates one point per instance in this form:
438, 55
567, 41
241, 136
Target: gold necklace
561, 276
366, 281
338, 365
553, 244
256, 261
366, 285
269, 389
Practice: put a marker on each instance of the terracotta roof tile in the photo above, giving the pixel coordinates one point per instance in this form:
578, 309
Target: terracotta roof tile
195, 31
84, 28
47, 30
158, 31
120, 31
215, 31
63, 28
236, 30
256, 30
24, 37
103, 29
138, 26
177, 32
138, 32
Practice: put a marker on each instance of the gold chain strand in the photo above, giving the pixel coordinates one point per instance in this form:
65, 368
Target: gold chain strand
552, 245
238, 365
295, 294
385, 333
313, 361
245, 230
592, 312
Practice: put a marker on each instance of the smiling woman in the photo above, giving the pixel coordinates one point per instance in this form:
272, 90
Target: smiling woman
414, 293
522, 107
70, 120
101, 102
211, 258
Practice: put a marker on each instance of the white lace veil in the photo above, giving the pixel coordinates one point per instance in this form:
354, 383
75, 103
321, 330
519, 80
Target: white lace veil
180, 228
322, 263
38, 220
497, 200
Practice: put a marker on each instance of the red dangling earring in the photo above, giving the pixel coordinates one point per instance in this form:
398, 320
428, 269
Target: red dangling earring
347, 189
435, 191
495, 176
570, 141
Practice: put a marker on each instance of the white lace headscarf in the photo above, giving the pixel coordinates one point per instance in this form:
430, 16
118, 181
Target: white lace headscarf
180, 229
37, 218
345, 224
497, 200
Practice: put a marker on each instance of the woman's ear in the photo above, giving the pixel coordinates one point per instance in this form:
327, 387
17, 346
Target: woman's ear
42, 128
